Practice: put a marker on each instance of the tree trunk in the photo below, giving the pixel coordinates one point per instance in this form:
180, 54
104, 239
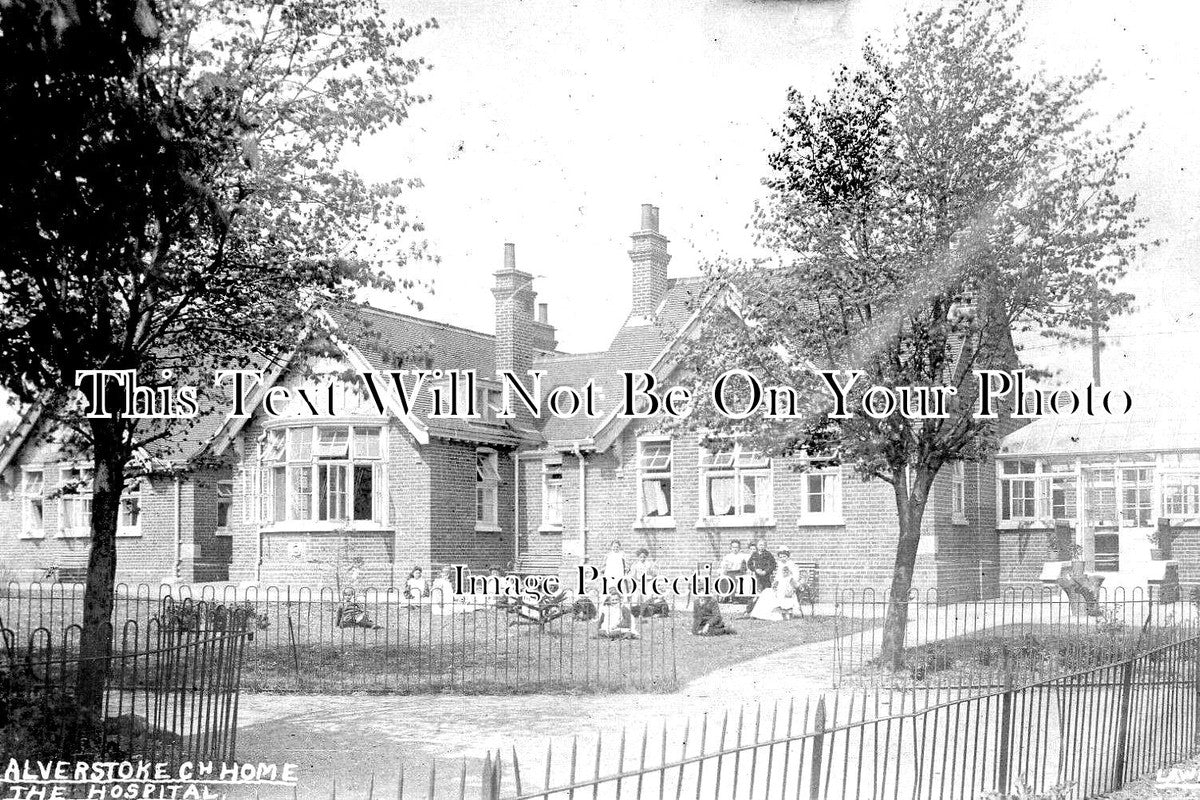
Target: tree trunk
95, 641
910, 510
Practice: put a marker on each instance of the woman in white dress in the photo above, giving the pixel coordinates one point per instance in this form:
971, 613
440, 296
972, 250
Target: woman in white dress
778, 601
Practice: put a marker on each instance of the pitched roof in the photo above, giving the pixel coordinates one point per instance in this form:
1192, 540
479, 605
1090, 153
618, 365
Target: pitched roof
1159, 423
639, 345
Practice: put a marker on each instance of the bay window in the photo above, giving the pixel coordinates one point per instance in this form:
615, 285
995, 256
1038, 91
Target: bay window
735, 482
654, 479
320, 473
487, 494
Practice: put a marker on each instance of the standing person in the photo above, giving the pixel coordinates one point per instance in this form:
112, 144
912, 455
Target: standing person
733, 564
614, 563
762, 566
787, 585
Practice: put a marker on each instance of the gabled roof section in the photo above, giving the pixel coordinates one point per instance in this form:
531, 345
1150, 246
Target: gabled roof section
640, 344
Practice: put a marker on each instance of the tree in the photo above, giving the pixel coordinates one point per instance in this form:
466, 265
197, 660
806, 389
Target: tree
179, 202
939, 197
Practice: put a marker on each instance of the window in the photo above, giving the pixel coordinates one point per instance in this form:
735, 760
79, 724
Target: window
130, 513
491, 400
330, 474
1018, 493
33, 504
1181, 494
552, 508
735, 482
75, 502
224, 506
958, 491
654, 479
822, 500
1137, 486
487, 495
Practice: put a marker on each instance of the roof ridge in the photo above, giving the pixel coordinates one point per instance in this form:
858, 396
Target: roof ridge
425, 321
571, 356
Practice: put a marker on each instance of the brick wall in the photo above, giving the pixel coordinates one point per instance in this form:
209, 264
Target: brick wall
858, 554
455, 539
148, 557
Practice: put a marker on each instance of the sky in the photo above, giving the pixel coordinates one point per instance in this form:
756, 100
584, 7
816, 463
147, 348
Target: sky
551, 122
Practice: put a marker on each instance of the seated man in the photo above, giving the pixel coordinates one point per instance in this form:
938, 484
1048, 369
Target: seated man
706, 618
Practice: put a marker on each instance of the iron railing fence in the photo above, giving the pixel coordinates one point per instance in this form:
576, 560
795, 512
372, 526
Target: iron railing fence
321, 641
1080, 735
1021, 634
1085, 734
171, 693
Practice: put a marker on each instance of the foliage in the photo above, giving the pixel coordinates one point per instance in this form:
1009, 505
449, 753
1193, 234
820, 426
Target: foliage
216, 617
1023, 791
179, 203
940, 196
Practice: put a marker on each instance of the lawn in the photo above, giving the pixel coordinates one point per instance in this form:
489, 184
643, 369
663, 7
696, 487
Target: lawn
417, 650
482, 652
1024, 653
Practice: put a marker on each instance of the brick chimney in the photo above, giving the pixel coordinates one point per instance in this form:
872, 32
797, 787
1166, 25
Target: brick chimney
545, 338
650, 258
514, 315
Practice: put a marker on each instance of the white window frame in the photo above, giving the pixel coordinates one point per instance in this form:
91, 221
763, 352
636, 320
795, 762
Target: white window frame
28, 529
487, 490
830, 478
655, 471
552, 514
1038, 482
732, 464
958, 492
1180, 481
132, 493
82, 498
297, 458
226, 500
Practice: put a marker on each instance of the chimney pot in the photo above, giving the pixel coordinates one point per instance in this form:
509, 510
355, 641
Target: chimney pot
649, 217
510, 255
543, 312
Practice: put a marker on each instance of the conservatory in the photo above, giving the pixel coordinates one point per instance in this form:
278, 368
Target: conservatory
1122, 494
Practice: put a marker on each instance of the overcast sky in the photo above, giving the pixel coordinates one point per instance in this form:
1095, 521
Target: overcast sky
552, 121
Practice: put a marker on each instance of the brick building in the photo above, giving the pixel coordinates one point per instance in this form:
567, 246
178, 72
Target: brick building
360, 497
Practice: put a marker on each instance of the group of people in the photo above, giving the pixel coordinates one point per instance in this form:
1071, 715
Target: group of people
778, 581
619, 614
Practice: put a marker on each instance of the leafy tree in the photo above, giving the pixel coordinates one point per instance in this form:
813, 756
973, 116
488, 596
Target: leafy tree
939, 197
179, 201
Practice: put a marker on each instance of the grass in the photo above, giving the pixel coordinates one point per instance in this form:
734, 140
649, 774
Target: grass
481, 653
1026, 652
416, 651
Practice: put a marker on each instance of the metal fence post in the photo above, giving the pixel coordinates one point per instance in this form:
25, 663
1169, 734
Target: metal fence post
814, 778
491, 778
1004, 739
1123, 722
